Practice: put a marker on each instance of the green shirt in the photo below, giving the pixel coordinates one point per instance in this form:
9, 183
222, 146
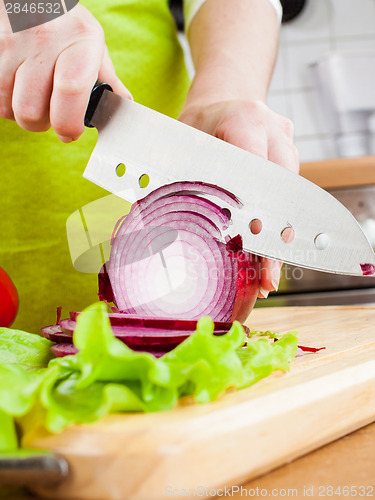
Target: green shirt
41, 179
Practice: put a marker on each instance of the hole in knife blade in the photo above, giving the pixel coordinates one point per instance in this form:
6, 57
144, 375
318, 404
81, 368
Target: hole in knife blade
144, 180
288, 234
256, 226
321, 241
120, 170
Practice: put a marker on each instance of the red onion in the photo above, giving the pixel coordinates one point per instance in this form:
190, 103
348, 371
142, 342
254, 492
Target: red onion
140, 334
121, 319
54, 333
60, 350
367, 269
310, 349
168, 259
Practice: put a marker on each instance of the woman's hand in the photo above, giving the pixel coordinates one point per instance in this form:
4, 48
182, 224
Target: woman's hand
47, 72
250, 125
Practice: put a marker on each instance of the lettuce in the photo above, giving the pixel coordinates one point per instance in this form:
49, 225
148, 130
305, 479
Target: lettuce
107, 376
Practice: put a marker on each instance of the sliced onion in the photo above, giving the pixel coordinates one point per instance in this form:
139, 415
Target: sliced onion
367, 269
55, 334
121, 319
300, 352
60, 350
193, 188
310, 349
140, 334
153, 273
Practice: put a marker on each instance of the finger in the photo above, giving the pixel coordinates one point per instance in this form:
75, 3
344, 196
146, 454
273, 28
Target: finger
107, 74
76, 72
245, 136
270, 276
6, 92
31, 95
8, 70
281, 147
284, 154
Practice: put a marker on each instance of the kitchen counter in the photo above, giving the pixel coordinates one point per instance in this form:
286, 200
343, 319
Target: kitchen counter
340, 172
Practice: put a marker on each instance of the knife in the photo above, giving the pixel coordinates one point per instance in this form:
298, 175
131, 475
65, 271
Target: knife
153, 150
32, 467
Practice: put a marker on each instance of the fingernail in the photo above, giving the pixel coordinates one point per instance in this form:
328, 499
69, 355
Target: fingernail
275, 285
264, 293
65, 140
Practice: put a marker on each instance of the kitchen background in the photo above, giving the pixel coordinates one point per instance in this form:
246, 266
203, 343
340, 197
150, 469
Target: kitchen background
322, 26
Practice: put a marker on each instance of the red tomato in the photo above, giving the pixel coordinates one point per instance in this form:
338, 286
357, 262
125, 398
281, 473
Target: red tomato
8, 300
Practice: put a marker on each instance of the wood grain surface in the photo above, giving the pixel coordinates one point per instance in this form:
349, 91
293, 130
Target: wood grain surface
341, 172
243, 435
345, 463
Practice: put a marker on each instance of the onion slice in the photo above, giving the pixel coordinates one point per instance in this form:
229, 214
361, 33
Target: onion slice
169, 259
121, 319
367, 269
140, 334
61, 350
310, 349
54, 333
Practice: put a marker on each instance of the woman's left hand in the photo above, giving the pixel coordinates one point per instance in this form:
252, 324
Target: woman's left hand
250, 125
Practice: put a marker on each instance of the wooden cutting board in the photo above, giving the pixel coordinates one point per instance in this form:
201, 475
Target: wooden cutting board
324, 396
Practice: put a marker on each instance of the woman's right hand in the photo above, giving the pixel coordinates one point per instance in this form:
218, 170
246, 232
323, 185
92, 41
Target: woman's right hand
47, 72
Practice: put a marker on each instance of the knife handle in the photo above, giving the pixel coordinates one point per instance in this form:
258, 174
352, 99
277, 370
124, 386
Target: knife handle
31, 467
96, 94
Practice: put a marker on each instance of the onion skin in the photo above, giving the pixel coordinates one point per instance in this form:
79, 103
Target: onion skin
222, 281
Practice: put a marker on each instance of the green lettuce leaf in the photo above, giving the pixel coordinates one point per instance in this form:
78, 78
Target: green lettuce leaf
8, 435
23, 361
24, 349
260, 358
106, 376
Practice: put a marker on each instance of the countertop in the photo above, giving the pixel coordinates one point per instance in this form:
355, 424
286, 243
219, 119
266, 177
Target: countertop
340, 172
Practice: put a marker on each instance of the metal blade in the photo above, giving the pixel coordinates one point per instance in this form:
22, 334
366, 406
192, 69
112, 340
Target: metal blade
166, 150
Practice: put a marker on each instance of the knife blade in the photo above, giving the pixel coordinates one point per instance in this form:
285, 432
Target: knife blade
155, 150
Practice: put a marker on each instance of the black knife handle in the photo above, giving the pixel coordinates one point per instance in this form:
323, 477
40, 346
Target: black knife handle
96, 94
